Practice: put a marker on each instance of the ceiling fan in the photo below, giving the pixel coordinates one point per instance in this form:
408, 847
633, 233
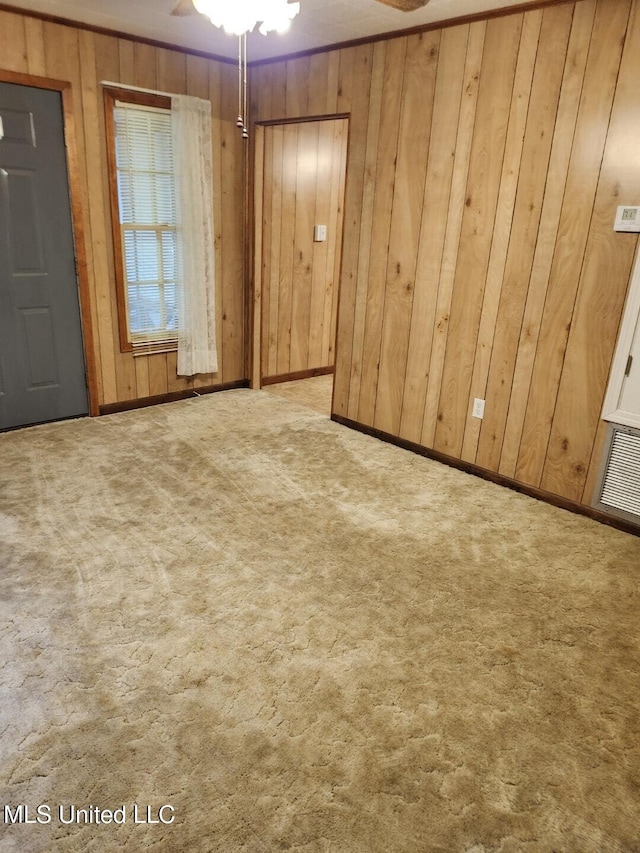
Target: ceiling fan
185, 7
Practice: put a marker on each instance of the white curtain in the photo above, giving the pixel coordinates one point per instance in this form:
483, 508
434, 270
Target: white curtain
192, 158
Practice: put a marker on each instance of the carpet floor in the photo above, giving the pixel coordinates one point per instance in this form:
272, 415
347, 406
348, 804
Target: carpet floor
229, 624
313, 393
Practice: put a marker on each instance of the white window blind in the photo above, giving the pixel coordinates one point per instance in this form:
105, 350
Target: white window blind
147, 207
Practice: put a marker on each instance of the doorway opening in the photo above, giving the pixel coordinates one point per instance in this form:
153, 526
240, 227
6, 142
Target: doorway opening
299, 211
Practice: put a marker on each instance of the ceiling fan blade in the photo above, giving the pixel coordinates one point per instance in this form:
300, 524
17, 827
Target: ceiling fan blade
405, 5
184, 8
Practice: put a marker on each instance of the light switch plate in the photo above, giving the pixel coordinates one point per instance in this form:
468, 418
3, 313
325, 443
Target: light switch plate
320, 233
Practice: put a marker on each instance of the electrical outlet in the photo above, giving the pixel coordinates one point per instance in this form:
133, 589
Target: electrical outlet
478, 408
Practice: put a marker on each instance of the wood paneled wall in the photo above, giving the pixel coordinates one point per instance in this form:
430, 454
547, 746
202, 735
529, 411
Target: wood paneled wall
83, 58
485, 164
303, 186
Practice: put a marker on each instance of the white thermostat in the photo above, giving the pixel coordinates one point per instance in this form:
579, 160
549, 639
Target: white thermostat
627, 219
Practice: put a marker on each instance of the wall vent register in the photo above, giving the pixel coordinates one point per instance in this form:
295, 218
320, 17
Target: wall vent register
618, 489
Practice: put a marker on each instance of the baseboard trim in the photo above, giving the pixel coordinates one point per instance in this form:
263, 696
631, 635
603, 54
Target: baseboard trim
299, 374
491, 476
174, 396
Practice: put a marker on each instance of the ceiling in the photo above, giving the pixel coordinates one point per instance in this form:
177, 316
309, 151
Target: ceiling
320, 22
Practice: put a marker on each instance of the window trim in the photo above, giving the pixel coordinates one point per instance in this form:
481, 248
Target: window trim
111, 95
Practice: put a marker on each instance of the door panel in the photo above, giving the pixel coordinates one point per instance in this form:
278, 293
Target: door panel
42, 368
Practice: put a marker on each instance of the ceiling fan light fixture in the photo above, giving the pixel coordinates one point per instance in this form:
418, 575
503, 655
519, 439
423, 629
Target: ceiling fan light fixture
242, 16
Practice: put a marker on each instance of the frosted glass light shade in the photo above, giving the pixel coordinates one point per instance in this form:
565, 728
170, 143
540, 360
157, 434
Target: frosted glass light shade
241, 16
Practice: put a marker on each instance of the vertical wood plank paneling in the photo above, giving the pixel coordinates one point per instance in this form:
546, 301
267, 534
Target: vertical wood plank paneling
503, 225
318, 84
382, 203
435, 202
34, 33
475, 52
600, 299
157, 373
516, 274
346, 71
14, 44
143, 384
263, 201
556, 178
320, 274
354, 87
487, 153
358, 281
333, 70
297, 87
171, 71
406, 218
126, 61
532, 180
510, 301
304, 210
261, 92
98, 234
278, 91
287, 235
588, 146
84, 58
108, 68
271, 266
144, 66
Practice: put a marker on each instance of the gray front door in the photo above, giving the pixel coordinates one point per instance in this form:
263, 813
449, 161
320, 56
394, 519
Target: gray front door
42, 368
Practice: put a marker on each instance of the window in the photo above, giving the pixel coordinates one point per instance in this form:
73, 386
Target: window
143, 203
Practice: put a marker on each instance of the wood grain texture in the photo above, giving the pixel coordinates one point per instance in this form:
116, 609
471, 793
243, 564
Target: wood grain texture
586, 367
478, 227
406, 218
511, 280
358, 269
388, 141
503, 231
353, 92
303, 167
83, 59
603, 64
435, 204
448, 261
524, 139
525, 222
547, 235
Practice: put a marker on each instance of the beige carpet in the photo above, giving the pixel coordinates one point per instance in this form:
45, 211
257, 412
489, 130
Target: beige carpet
314, 393
303, 639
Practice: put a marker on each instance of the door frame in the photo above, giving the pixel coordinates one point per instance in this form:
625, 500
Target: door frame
77, 220
611, 410
257, 187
